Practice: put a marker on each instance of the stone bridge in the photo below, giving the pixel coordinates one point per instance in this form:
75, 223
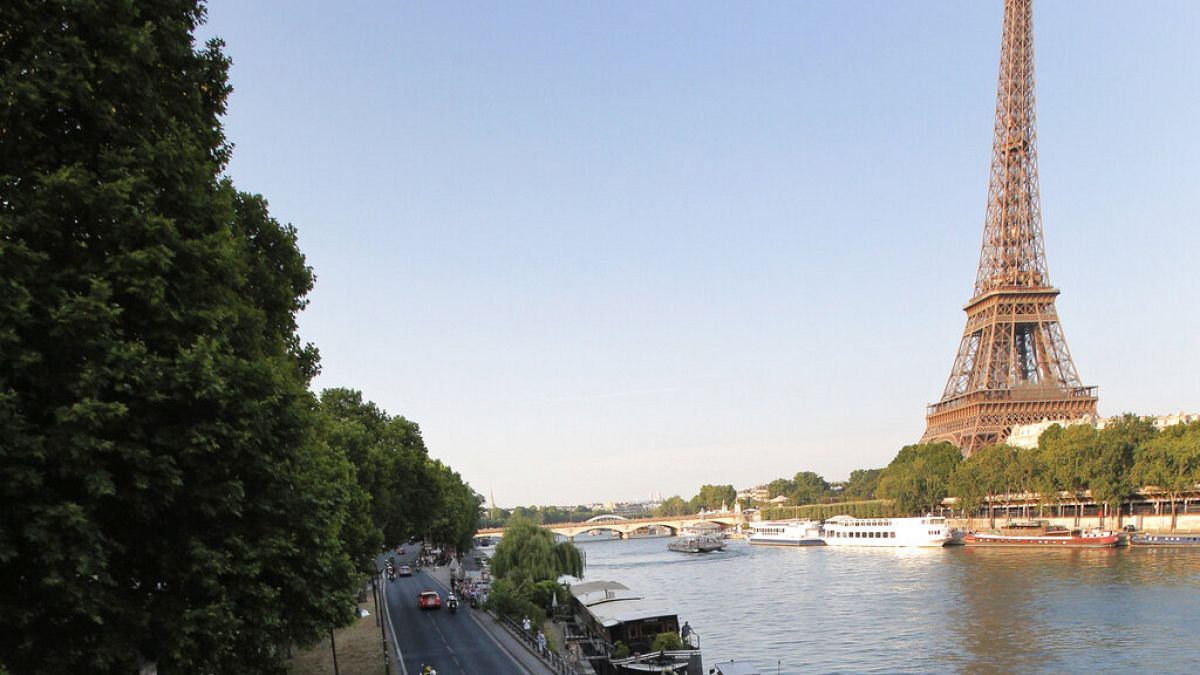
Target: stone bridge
627, 526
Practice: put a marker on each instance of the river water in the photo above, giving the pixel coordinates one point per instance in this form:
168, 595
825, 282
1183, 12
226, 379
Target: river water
955, 609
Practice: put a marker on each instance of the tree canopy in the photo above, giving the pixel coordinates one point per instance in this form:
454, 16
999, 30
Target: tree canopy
674, 506
918, 479
172, 491
165, 495
712, 497
862, 485
1170, 461
530, 553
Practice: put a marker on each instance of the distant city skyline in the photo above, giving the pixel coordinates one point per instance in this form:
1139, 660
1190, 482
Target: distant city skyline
600, 252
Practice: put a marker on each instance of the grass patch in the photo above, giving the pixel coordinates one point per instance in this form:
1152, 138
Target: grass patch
359, 649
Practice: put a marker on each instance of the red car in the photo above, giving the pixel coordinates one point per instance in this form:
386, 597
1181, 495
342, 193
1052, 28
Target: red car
404, 571
429, 600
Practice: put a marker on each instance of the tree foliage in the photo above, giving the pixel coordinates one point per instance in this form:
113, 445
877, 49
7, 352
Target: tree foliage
526, 560
457, 513
674, 506
391, 462
918, 479
409, 494
530, 552
1170, 462
862, 485
164, 492
1081, 463
712, 497
172, 492
875, 508
667, 641
810, 488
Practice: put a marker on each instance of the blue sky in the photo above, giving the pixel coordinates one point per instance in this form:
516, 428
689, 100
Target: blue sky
600, 251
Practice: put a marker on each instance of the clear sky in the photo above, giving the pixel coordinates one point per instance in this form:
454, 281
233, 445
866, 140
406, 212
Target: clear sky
605, 250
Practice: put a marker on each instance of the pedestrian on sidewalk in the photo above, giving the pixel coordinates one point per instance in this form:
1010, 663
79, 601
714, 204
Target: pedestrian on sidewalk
541, 642
525, 625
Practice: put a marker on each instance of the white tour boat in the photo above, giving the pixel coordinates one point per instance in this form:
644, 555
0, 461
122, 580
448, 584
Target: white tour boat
786, 533
923, 531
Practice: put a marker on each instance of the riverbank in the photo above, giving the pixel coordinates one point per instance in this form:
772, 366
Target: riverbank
953, 609
1184, 522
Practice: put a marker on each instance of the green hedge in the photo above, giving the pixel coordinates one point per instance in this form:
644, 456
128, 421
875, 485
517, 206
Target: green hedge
875, 508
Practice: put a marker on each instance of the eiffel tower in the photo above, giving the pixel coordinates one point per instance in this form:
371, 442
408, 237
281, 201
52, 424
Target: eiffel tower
1013, 366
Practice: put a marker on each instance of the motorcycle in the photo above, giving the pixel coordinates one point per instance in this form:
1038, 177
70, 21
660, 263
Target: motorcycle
452, 604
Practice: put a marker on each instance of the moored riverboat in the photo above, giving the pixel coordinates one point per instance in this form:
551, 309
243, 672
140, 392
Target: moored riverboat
1178, 539
786, 533
1039, 533
928, 531
697, 544
612, 615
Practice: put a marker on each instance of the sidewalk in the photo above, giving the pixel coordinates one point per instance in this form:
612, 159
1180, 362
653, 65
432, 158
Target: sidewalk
505, 640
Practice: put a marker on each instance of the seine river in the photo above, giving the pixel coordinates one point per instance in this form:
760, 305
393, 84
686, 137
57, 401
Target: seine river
958, 609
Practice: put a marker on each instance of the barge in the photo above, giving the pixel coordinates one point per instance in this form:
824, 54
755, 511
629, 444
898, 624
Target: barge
611, 615
1039, 533
1181, 539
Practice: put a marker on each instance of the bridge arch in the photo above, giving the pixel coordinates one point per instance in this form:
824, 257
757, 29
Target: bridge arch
605, 517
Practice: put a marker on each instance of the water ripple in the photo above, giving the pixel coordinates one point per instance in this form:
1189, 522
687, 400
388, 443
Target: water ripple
859, 610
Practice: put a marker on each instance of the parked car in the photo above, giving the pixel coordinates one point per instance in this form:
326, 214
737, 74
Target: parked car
429, 600
405, 571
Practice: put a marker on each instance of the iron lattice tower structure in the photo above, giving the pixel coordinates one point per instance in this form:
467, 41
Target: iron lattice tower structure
1013, 366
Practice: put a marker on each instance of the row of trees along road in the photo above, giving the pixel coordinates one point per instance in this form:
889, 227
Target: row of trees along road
1128, 458
1071, 465
172, 492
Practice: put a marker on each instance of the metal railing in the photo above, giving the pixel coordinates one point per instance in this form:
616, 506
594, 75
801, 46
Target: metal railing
393, 660
552, 659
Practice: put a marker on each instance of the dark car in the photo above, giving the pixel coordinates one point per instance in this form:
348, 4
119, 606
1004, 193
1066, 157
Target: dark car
429, 600
404, 571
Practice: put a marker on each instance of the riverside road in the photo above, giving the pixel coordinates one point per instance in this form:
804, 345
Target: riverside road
449, 642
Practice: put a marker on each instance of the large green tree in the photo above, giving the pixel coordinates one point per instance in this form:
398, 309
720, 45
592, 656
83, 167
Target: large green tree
810, 488
1067, 453
164, 496
711, 497
781, 487
673, 506
391, 462
458, 509
408, 494
1110, 467
918, 478
863, 484
529, 552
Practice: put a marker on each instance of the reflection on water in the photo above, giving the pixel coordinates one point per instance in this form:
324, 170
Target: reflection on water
820, 609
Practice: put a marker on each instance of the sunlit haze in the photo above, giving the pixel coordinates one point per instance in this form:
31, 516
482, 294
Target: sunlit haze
604, 251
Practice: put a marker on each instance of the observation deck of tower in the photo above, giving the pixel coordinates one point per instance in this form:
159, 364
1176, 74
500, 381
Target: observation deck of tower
1012, 366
